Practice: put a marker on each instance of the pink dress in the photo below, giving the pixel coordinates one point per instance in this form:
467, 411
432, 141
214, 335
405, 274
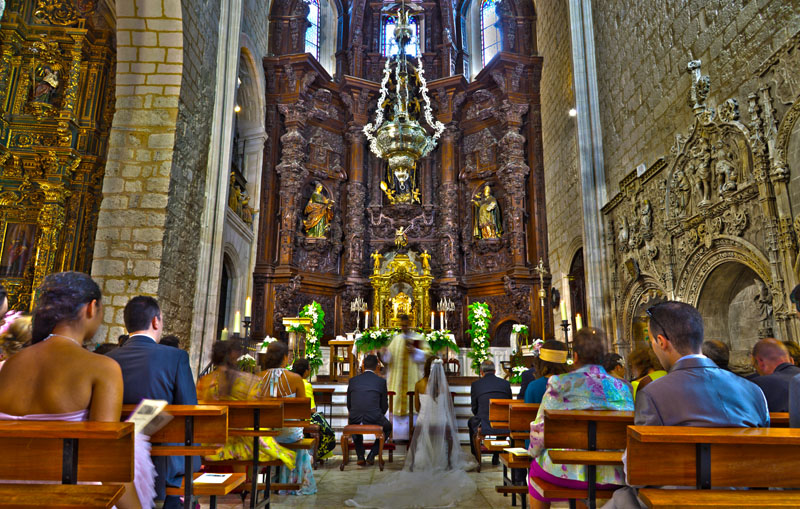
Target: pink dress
144, 479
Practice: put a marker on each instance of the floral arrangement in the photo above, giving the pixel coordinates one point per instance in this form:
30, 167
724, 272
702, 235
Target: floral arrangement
479, 318
439, 341
374, 339
265, 343
314, 336
517, 367
521, 330
246, 363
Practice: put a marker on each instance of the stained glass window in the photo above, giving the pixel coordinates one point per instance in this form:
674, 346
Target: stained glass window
312, 32
389, 45
490, 30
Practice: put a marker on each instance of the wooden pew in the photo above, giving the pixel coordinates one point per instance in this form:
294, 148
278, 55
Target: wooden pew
190, 424
588, 433
519, 418
498, 419
714, 457
66, 452
779, 420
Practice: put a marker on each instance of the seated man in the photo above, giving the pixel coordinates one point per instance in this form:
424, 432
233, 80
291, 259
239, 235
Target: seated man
695, 392
487, 388
776, 369
794, 402
718, 352
528, 376
154, 371
367, 403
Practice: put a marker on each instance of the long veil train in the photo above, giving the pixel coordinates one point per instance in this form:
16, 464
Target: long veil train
435, 470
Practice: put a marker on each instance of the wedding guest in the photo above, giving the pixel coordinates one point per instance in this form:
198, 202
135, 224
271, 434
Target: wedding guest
587, 387
422, 385
613, 364
57, 379
15, 334
794, 351
552, 361
718, 352
154, 371
645, 367
228, 383
528, 376
170, 340
488, 387
279, 382
122, 339
794, 402
105, 348
327, 438
776, 369
367, 403
696, 392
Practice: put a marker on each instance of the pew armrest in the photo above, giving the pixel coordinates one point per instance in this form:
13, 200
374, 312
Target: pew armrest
586, 457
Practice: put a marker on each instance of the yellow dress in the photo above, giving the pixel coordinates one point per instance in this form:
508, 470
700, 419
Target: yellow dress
244, 386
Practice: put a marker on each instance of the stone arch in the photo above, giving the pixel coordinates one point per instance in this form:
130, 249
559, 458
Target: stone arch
641, 294
501, 332
131, 220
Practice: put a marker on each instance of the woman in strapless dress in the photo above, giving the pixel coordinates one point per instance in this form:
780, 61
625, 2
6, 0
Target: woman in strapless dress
57, 379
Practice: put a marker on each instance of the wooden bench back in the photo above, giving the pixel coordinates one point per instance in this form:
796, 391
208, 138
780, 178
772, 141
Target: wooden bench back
569, 429
498, 409
296, 409
34, 450
779, 419
241, 413
209, 423
736, 457
520, 416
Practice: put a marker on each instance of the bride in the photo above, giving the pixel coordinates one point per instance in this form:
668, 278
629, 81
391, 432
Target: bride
435, 470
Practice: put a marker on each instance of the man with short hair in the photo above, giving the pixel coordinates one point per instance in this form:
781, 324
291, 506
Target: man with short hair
367, 403
154, 371
776, 369
481, 392
695, 391
718, 352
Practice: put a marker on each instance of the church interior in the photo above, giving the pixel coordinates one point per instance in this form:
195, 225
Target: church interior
483, 178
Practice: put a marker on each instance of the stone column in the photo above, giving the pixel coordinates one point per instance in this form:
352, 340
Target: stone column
449, 202
512, 173
356, 202
293, 173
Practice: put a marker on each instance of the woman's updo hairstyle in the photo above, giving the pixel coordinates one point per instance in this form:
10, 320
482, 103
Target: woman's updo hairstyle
589, 344
59, 299
276, 351
219, 353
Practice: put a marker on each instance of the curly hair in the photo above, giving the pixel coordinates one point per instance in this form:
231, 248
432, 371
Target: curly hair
276, 351
17, 336
60, 298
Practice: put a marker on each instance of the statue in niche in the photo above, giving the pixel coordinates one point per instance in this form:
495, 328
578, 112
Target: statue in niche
45, 83
701, 159
680, 188
487, 215
646, 212
764, 301
624, 234
319, 213
426, 262
725, 171
235, 196
400, 237
377, 257
400, 185
401, 305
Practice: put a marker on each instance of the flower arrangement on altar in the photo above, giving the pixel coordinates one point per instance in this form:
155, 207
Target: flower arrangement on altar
520, 330
374, 339
246, 363
440, 340
479, 318
314, 336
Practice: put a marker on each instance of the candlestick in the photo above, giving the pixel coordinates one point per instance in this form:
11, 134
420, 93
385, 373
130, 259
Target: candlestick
224, 335
563, 311
366, 320
236, 327
432, 319
248, 308
578, 322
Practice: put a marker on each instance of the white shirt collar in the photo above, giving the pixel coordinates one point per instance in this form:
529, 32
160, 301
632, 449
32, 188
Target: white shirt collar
145, 335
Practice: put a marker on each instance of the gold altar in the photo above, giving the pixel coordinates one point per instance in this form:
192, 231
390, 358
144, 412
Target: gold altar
401, 283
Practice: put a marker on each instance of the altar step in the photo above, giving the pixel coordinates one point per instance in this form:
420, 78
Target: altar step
337, 413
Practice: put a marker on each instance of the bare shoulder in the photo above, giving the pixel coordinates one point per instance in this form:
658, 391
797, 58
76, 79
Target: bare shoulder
102, 364
294, 377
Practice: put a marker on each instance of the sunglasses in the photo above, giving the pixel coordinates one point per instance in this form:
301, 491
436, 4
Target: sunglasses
649, 313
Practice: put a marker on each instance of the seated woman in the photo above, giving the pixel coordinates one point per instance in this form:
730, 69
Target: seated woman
645, 367
588, 387
551, 361
15, 334
228, 383
614, 365
279, 382
56, 379
422, 385
327, 439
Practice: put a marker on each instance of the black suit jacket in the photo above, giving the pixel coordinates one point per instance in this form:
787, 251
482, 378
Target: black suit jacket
367, 399
528, 376
776, 386
153, 371
487, 388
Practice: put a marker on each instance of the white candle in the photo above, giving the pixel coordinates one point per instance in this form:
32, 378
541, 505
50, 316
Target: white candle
366, 320
236, 319
578, 322
432, 319
563, 311
378, 319
441, 320
248, 308
224, 335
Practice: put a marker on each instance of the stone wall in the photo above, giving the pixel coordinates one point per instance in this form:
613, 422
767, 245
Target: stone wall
559, 139
255, 23
642, 52
178, 270
132, 218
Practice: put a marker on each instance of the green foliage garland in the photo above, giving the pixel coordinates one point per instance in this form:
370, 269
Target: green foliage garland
314, 336
439, 341
479, 318
374, 339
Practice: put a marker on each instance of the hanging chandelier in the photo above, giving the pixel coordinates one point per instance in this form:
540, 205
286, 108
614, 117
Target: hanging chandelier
396, 134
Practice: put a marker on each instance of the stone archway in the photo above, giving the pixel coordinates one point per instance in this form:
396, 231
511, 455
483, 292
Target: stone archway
729, 304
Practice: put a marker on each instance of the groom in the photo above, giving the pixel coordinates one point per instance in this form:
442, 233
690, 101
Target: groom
367, 403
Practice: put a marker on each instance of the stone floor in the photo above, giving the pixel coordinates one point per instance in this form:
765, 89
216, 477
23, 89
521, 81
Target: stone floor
335, 486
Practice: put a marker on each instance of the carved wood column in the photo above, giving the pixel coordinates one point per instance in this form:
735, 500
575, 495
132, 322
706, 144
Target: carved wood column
512, 172
293, 173
449, 203
356, 203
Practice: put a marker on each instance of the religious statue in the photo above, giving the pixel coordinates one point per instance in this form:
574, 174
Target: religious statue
400, 238
487, 215
426, 262
401, 186
401, 305
702, 171
319, 213
725, 171
624, 234
646, 212
680, 189
235, 196
376, 256
45, 84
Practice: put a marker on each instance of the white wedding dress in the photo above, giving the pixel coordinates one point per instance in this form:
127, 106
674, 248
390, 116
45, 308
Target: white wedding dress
435, 470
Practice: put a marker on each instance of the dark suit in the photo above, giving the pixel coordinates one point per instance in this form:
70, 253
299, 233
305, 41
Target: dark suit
776, 386
153, 371
487, 388
794, 402
528, 376
367, 403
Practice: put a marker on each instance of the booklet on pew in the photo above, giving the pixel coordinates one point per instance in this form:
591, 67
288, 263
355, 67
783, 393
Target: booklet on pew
209, 478
517, 451
150, 416
498, 443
